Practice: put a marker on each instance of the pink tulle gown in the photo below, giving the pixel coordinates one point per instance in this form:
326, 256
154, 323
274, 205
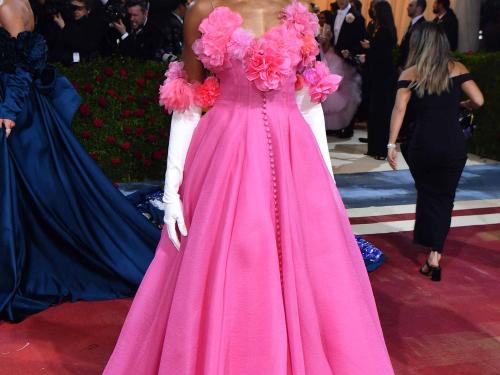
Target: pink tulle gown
269, 280
341, 106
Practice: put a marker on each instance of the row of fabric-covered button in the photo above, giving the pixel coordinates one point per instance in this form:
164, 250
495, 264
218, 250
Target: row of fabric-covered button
267, 127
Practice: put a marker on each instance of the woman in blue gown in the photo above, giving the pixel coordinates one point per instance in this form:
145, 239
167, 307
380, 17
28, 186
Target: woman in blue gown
66, 233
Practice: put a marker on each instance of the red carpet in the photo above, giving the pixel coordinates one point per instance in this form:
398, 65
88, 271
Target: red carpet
447, 328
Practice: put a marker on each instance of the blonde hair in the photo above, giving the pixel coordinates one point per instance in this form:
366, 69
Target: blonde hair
431, 55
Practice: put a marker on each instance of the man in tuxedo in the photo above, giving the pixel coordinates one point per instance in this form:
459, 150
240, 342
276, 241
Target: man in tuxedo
171, 26
446, 18
348, 32
143, 40
416, 9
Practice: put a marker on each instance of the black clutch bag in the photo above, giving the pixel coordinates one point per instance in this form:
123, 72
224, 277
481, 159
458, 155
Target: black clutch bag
466, 122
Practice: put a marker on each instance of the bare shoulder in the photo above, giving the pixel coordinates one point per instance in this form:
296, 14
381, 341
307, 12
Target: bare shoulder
197, 11
409, 74
457, 68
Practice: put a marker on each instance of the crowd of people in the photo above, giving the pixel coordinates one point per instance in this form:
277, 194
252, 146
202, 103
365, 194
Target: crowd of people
363, 53
79, 30
256, 236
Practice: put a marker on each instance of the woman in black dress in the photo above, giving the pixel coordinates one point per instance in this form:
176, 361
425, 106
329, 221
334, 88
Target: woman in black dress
382, 73
437, 149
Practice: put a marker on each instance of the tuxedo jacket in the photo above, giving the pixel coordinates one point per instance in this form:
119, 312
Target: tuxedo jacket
143, 44
172, 34
350, 35
449, 23
404, 48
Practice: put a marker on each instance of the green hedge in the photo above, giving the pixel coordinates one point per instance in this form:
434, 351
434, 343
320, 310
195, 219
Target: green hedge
120, 122
125, 130
485, 68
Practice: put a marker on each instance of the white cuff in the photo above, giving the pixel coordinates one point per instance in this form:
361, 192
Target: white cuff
124, 36
76, 57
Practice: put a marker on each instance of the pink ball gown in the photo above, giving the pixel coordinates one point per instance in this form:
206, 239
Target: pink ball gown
269, 280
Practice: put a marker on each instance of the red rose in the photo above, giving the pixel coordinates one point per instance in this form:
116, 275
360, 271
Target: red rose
102, 102
112, 93
85, 110
86, 134
99, 78
157, 155
108, 71
138, 155
150, 74
94, 155
139, 132
139, 112
98, 122
130, 98
140, 82
88, 87
123, 73
152, 138
152, 119
110, 139
126, 113
76, 86
125, 146
147, 162
116, 161
127, 130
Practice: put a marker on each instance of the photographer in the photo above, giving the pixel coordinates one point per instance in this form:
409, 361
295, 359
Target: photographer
79, 37
143, 39
171, 22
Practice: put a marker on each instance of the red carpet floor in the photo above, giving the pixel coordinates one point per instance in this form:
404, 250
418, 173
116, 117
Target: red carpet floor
447, 328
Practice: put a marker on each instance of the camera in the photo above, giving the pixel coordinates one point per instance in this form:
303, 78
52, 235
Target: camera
115, 11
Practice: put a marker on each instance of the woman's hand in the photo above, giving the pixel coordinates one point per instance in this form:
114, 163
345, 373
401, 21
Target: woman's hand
59, 20
9, 125
392, 156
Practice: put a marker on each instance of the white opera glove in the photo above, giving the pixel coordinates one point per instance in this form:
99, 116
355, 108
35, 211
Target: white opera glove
181, 131
313, 114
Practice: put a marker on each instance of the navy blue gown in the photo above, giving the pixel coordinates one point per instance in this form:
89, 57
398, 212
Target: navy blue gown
66, 233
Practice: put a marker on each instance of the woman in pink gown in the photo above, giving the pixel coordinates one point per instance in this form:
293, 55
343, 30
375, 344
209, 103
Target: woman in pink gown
269, 280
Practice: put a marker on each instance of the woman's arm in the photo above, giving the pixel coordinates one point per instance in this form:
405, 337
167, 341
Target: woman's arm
470, 88
398, 113
198, 10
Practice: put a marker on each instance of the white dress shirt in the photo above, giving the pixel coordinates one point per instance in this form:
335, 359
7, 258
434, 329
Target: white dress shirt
414, 20
339, 20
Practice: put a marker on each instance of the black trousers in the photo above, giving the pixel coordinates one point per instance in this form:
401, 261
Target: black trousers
436, 182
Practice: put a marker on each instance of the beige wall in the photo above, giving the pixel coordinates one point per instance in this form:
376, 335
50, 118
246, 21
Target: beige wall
467, 12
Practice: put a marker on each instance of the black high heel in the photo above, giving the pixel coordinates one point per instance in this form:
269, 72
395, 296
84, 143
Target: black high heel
436, 274
429, 269
433, 272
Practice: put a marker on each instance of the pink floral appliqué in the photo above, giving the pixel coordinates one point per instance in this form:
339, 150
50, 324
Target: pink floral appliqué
272, 59
206, 94
217, 30
320, 81
297, 17
176, 94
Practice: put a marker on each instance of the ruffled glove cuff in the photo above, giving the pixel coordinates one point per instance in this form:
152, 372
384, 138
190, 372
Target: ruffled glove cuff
177, 94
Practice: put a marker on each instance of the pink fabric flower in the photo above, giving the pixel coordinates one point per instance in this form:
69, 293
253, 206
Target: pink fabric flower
176, 95
297, 17
217, 30
309, 50
205, 94
272, 59
175, 70
239, 43
321, 82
